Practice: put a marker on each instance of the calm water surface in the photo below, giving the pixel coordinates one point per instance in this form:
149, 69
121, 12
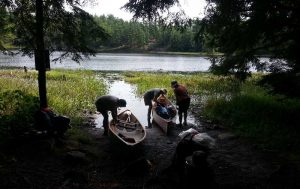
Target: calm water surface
119, 62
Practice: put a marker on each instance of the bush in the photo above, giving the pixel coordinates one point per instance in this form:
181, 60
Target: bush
17, 110
283, 83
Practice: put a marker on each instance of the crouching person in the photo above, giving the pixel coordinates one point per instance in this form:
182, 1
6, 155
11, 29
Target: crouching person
198, 172
53, 124
190, 158
109, 103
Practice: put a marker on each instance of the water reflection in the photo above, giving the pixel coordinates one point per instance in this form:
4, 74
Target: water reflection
126, 91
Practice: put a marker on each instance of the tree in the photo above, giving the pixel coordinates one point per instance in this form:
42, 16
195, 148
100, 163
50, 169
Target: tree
243, 29
149, 9
5, 29
42, 25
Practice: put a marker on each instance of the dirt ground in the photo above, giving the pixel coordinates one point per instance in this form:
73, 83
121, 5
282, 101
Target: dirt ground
103, 162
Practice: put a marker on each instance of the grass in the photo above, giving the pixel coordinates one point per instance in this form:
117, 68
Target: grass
248, 110
202, 85
70, 93
271, 121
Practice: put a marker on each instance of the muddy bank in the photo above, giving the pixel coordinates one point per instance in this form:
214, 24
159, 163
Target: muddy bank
102, 162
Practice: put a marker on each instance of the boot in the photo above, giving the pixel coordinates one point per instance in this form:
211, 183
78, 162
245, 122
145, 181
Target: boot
180, 120
185, 118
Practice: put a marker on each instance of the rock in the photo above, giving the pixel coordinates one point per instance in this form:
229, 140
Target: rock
74, 179
76, 157
197, 172
199, 158
138, 167
228, 136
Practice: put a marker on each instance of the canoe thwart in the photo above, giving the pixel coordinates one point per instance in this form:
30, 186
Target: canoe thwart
127, 139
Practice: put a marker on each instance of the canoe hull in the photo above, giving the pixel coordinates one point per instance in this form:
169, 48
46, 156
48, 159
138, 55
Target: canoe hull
128, 130
163, 123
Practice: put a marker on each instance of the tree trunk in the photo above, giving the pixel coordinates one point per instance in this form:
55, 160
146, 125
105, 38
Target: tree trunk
40, 56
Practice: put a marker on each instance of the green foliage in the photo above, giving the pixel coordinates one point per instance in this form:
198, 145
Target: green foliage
71, 93
17, 109
5, 29
242, 29
77, 92
148, 9
203, 85
283, 83
146, 36
124, 35
270, 120
146, 81
74, 32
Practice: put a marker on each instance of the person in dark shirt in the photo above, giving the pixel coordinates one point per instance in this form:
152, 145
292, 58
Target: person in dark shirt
109, 103
150, 95
182, 101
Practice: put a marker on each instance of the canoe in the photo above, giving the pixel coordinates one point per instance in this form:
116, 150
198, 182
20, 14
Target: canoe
164, 123
128, 129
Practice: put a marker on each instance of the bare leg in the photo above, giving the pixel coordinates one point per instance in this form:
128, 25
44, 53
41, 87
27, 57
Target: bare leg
180, 118
105, 122
186, 107
185, 118
149, 116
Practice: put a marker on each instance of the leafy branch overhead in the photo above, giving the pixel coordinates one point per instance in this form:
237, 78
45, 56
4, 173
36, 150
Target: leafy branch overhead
244, 29
67, 27
148, 9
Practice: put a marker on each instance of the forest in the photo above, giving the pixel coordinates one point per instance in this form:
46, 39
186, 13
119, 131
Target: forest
148, 36
130, 36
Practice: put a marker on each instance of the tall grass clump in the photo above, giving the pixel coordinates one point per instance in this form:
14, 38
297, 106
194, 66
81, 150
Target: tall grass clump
271, 120
200, 84
16, 110
70, 93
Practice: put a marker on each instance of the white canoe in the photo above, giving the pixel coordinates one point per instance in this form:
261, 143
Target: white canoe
128, 130
163, 123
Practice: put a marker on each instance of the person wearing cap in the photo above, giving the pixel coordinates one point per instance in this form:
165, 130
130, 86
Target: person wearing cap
109, 103
182, 101
150, 95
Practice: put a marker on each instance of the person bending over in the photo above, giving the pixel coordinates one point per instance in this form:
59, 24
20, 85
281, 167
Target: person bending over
109, 103
150, 95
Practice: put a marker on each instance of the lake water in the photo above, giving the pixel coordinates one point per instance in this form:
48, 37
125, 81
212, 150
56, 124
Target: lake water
119, 62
